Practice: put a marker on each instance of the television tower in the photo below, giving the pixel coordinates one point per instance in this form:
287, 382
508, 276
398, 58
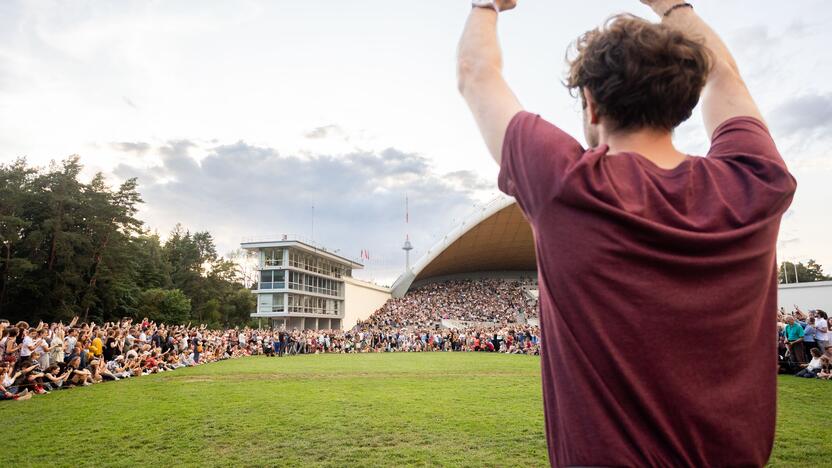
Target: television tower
407, 245
407, 248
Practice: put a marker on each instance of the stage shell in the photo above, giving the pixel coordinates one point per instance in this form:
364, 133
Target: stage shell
496, 239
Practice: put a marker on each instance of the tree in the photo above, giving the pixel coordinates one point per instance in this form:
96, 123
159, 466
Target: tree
150, 267
808, 273
109, 223
73, 248
15, 179
164, 305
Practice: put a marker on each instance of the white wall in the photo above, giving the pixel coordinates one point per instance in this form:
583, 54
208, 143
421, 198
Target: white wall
816, 295
361, 299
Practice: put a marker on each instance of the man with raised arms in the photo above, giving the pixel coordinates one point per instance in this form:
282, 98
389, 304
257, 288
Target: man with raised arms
649, 259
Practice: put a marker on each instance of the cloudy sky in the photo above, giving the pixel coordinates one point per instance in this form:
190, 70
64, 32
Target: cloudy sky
238, 117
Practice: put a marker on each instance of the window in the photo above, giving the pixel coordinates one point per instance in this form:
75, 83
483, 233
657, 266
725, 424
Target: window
312, 305
272, 279
315, 264
277, 303
311, 283
273, 257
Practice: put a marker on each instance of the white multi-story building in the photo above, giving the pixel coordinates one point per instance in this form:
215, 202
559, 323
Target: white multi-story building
300, 286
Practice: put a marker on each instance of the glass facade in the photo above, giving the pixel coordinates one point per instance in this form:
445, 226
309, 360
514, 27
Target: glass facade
273, 257
314, 264
312, 305
293, 281
311, 283
271, 303
272, 279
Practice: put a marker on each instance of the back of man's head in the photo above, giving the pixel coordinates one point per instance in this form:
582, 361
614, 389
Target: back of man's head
640, 75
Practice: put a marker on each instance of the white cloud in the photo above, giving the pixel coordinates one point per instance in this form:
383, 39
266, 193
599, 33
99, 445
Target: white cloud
241, 190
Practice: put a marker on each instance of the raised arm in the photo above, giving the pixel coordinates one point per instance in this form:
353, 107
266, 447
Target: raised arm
480, 76
725, 94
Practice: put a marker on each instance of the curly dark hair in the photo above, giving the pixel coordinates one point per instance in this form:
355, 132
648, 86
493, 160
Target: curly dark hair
639, 74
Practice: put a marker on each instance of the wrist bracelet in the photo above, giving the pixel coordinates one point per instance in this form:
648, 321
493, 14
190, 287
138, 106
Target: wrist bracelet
677, 6
489, 4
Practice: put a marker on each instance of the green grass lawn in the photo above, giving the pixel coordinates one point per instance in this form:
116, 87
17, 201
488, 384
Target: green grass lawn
333, 410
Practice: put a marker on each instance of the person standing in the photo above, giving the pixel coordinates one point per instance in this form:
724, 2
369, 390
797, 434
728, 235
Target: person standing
809, 339
71, 341
27, 345
41, 349
822, 334
678, 238
794, 341
56, 347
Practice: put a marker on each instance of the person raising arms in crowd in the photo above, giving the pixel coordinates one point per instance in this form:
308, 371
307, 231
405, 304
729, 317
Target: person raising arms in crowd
668, 226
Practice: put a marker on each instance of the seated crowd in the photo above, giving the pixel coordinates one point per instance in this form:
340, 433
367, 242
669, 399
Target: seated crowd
805, 343
49, 357
505, 338
37, 360
484, 300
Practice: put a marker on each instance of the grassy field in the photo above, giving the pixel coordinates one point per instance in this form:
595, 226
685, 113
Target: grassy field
333, 410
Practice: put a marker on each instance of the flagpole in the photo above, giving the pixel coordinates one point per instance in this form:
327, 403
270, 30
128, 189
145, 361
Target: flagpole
796, 277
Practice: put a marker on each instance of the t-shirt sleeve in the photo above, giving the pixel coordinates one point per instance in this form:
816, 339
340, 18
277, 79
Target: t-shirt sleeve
744, 137
536, 156
753, 175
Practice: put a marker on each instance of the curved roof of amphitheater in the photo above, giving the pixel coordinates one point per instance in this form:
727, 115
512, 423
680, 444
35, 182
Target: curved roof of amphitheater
496, 238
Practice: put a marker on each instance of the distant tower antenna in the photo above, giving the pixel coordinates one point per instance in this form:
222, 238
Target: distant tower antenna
407, 245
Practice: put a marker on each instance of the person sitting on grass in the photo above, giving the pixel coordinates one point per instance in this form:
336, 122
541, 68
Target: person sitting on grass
171, 361
103, 370
117, 368
151, 364
78, 375
133, 364
825, 368
9, 378
810, 371
7, 395
32, 378
53, 378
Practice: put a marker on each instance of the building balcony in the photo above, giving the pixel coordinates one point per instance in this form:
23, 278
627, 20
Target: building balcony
264, 288
285, 314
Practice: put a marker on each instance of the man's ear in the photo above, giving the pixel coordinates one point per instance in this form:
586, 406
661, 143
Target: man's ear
589, 101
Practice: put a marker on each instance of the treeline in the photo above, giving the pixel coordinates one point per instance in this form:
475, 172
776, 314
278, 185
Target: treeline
72, 248
800, 273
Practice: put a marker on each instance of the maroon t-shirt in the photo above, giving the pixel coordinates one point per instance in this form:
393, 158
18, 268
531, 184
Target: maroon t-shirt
658, 295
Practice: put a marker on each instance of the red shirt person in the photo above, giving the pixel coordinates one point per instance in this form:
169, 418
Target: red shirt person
649, 259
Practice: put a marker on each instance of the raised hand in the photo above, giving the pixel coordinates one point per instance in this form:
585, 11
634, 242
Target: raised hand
500, 5
660, 6
504, 5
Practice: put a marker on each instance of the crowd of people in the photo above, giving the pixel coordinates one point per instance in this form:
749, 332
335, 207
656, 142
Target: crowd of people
505, 338
483, 300
47, 357
37, 360
805, 343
